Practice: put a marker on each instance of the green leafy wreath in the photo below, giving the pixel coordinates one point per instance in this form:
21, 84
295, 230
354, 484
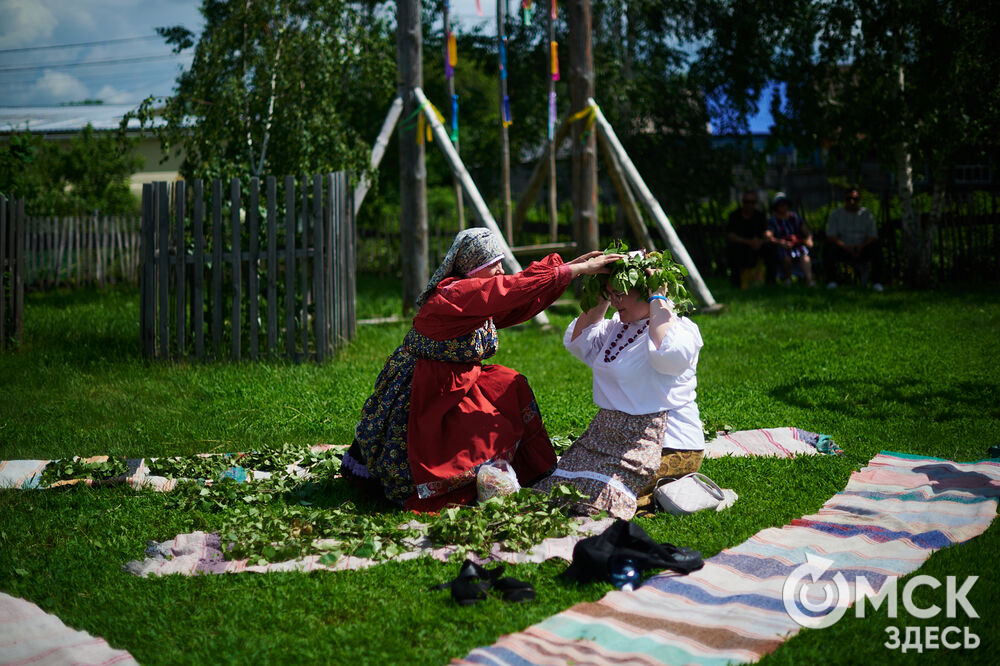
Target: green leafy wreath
630, 273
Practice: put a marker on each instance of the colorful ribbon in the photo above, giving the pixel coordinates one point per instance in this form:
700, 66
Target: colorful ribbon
503, 58
507, 121
452, 59
554, 50
552, 115
454, 118
555, 9
590, 113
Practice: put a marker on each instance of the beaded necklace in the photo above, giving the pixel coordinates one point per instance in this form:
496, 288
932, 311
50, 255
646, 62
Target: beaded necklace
608, 356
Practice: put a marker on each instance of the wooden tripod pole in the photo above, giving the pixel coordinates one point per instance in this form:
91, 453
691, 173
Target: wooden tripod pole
695, 281
482, 211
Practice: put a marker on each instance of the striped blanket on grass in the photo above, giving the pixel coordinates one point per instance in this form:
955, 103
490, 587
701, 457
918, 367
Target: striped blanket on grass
29, 635
893, 514
774, 442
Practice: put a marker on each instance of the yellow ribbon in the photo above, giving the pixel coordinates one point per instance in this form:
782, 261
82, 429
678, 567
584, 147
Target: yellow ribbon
424, 127
590, 113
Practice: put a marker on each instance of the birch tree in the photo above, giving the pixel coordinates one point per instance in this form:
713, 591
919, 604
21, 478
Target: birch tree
278, 87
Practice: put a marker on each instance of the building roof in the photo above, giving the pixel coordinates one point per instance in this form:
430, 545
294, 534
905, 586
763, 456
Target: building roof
64, 119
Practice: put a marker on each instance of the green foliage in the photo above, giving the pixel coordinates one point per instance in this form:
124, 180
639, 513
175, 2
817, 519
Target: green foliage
517, 521
70, 468
277, 87
630, 274
273, 520
92, 173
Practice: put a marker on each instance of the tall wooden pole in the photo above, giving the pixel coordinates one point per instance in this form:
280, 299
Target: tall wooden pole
412, 170
552, 200
459, 202
581, 88
504, 120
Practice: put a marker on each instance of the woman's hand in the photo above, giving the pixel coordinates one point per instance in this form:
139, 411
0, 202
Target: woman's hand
662, 291
661, 315
584, 257
593, 263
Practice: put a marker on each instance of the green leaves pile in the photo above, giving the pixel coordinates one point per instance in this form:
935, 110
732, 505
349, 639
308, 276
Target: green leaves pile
517, 521
276, 519
60, 470
630, 273
275, 459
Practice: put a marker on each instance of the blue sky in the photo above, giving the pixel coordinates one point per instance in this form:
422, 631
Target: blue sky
58, 51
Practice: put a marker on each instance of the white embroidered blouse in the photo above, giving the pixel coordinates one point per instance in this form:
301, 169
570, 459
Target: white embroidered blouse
639, 378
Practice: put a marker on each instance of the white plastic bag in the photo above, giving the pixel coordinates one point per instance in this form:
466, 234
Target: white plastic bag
496, 478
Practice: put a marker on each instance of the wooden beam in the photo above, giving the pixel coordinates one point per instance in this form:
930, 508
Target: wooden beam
482, 212
542, 169
695, 282
378, 150
542, 249
625, 195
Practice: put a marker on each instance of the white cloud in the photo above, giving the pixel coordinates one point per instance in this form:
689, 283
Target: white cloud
53, 85
112, 95
24, 22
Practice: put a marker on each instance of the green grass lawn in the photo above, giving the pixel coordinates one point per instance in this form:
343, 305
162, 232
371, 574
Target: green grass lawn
916, 372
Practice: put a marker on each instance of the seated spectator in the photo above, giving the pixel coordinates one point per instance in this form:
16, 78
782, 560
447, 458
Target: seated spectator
852, 239
792, 238
747, 251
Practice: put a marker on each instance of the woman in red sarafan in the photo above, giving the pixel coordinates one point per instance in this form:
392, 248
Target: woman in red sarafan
437, 413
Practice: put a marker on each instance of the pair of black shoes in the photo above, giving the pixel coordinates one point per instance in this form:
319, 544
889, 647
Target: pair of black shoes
475, 581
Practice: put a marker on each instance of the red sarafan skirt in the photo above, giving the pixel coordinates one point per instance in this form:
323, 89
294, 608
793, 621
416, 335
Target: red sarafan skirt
464, 416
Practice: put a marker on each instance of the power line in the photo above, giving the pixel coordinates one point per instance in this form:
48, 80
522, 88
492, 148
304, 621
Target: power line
89, 63
78, 44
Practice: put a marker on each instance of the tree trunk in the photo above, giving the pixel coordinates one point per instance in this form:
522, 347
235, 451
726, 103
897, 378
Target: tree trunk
581, 88
412, 170
917, 238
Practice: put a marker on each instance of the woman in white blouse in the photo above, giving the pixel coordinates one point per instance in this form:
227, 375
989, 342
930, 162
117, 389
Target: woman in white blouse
644, 360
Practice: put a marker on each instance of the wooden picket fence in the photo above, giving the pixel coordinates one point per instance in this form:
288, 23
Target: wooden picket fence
11, 272
271, 274
91, 250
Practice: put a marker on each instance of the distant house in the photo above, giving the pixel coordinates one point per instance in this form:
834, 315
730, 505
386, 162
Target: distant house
62, 123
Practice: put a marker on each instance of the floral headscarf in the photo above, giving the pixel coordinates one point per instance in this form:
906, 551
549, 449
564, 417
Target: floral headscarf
472, 250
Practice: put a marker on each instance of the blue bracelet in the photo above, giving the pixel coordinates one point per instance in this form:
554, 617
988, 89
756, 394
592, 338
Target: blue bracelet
654, 297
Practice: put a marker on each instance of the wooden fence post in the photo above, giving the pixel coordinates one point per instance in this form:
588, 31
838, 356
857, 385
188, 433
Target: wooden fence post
253, 265
4, 205
146, 298
236, 251
272, 268
163, 268
198, 271
180, 266
216, 301
290, 266
318, 272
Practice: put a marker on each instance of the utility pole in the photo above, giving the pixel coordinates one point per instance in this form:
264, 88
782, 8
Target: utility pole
412, 170
581, 89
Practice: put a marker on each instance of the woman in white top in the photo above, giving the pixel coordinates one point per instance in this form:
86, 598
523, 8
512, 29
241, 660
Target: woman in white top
644, 360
